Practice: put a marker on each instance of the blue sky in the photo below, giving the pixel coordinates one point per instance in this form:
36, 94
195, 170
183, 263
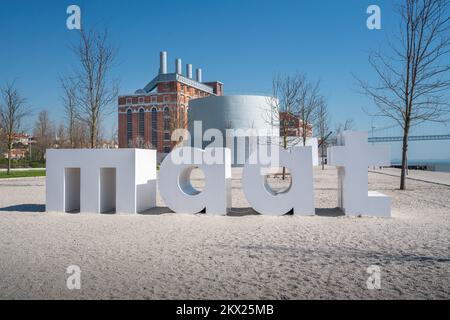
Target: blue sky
241, 43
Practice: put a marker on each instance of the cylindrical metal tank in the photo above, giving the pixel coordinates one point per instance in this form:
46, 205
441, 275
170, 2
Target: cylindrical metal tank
178, 66
189, 71
233, 115
199, 75
163, 62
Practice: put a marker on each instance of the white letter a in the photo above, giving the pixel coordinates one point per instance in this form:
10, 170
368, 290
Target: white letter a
74, 20
374, 20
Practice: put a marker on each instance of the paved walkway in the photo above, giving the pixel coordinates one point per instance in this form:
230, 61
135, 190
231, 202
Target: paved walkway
442, 178
22, 169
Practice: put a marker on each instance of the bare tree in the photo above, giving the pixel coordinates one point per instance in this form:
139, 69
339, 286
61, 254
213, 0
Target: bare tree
114, 136
323, 130
44, 133
75, 128
309, 101
95, 92
70, 109
2, 138
139, 142
81, 135
340, 127
413, 80
12, 112
61, 140
284, 106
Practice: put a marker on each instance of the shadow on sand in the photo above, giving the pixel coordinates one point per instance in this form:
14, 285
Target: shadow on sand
156, 211
329, 212
234, 212
242, 212
25, 208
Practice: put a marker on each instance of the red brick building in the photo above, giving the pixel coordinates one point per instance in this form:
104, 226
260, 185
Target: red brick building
293, 126
21, 145
148, 117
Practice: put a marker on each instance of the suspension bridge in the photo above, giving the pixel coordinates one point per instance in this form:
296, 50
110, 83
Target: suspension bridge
423, 132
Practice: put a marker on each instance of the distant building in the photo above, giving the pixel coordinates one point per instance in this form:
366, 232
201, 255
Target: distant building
293, 126
22, 138
175, 100
16, 153
21, 146
148, 117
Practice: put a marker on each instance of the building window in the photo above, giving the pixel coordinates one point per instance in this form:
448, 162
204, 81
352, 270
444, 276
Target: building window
166, 149
129, 127
141, 124
153, 98
167, 136
166, 124
154, 128
129, 101
141, 100
166, 118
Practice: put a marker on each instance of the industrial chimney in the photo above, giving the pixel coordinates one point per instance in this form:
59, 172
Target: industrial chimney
163, 62
189, 71
199, 75
178, 66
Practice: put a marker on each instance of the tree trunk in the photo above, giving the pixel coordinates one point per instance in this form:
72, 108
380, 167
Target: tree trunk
9, 162
304, 138
323, 163
93, 137
10, 146
285, 146
72, 140
404, 158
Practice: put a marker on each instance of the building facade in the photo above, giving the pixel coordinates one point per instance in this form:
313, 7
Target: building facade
148, 117
292, 126
21, 146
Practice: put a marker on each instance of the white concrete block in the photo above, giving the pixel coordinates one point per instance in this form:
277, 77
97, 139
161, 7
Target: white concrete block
379, 205
314, 144
177, 191
100, 180
352, 158
300, 195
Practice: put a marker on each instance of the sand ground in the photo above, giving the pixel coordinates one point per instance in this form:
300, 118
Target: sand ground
162, 255
419, 175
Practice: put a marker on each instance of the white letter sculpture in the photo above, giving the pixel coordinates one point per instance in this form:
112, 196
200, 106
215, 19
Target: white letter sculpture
101, 181
177, 191
299, 196
352, 157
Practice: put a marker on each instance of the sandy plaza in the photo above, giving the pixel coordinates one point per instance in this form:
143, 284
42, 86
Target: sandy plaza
164, 255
